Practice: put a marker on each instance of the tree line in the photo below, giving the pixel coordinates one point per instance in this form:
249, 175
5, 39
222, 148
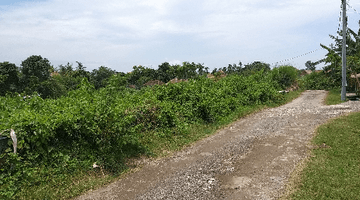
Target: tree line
36, 74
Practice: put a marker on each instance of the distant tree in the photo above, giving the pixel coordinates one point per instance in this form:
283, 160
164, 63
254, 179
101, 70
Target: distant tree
140, 75
166, 72
255, 67
67, 77
36, 66
65, 70
52, 88
231, 69
310, 66
9, 78
118, 81
189, 70
215, 70
202, 70
98, 77
34, 71
80, 71
285, 76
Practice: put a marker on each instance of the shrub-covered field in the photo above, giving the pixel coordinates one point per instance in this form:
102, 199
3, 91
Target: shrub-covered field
59, 138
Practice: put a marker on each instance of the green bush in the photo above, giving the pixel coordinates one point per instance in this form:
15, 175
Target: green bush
9, 78
317, 81
285, 76
60, 137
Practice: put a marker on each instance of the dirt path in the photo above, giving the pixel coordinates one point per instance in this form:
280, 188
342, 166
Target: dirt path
250, 159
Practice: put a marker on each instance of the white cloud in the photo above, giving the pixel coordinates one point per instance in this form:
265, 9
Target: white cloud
119, 32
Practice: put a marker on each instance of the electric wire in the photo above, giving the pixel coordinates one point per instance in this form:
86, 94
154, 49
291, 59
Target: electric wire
295, 57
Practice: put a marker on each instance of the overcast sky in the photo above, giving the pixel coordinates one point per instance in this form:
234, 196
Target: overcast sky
122, 33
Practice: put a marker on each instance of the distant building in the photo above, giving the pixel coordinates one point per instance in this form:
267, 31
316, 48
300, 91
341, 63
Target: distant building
307, 72
218, 77
154, 82
176, 80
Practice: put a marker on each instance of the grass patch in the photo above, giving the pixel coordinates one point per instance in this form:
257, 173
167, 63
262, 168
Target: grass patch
333, 97
333, 171
67, 187
158, 144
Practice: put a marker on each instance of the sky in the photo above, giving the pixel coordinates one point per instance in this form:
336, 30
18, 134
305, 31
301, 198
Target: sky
120, 34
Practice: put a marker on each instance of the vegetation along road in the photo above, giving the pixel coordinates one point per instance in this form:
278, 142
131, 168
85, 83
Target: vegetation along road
250, 159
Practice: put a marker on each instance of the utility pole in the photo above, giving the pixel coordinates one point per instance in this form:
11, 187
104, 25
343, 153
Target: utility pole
344, 84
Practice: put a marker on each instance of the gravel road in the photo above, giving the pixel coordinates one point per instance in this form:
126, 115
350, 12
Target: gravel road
250, 159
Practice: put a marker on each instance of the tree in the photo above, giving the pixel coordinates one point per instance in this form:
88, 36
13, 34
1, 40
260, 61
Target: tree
166, 72
352, 43
98, 77
140, 75
36, 66
255, 67
189, 70
233, 69
333, 57
65, 70
65, 77
9, 78
34, 71
80, 71
310, 66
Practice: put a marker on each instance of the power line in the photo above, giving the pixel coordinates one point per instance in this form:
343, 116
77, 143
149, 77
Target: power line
299, 56
347, 3
340, 20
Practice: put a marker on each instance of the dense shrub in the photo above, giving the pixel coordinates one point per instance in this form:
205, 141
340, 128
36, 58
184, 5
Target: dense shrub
285, 76
58, 137
9, 78
318, 81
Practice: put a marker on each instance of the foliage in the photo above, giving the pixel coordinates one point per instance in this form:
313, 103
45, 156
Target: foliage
331, 75
191, 70
9, 78
333, 69
80, 71
35, 67
247, 70
165, 72
230, 69
310, 66
255, 67
317, 81
60, 137
285, 76
352, 43
99, 77
51, 88
140, 75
